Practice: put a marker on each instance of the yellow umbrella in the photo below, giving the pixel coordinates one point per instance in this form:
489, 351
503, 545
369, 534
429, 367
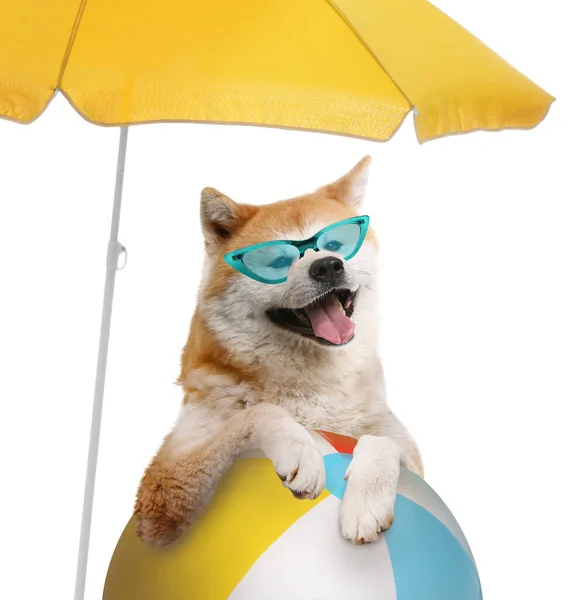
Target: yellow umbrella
353, 67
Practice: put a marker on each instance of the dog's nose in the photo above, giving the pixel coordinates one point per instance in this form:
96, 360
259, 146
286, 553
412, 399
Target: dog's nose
329, 269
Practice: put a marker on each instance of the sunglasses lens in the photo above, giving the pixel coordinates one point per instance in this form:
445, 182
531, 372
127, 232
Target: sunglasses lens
343, 240
271, 262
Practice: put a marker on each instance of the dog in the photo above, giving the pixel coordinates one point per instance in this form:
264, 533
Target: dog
265, 364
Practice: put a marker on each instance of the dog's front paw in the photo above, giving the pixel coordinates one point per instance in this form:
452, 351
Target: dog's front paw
368, 504
299, 464
364, 514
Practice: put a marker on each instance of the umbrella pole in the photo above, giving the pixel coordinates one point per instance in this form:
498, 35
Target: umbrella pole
115, 249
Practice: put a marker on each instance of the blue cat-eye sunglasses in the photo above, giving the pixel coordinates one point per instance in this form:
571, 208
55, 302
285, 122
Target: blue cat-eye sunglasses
269, 262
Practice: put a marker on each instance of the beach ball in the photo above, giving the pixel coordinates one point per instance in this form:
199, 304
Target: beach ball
257, 542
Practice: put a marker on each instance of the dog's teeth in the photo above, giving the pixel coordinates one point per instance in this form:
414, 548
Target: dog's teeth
340, 307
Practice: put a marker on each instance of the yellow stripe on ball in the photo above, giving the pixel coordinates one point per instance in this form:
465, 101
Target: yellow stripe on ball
250, 511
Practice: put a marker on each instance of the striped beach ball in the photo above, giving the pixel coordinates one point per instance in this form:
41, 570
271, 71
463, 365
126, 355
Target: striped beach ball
257, 542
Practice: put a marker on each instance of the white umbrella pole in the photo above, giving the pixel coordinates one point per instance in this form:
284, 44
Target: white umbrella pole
115, 249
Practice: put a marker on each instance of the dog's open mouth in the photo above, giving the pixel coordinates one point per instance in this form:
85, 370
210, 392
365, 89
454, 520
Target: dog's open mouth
326, 320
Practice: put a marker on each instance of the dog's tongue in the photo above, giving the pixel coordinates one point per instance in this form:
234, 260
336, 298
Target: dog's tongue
329, 322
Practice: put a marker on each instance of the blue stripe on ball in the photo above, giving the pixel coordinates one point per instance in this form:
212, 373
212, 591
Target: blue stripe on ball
428, 561
336, 465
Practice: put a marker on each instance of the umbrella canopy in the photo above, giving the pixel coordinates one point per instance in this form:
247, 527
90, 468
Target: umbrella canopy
354, 67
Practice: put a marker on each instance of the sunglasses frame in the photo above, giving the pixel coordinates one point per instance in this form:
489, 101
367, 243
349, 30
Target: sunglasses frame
235, 258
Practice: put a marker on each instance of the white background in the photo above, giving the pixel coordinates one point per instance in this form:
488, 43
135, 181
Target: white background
478, 298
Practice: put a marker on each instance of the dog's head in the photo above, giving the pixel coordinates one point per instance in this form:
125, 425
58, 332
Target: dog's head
325, 301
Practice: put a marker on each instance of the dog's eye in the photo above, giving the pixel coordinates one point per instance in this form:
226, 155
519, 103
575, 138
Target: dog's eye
333, 246
281, 262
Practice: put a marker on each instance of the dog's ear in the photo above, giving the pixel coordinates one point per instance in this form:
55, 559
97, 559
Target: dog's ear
351, 188
221, 217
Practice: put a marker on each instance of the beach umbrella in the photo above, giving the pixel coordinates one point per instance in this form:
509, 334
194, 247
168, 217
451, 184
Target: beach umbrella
349, 67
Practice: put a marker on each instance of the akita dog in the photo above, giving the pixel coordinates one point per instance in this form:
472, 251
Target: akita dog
284, 340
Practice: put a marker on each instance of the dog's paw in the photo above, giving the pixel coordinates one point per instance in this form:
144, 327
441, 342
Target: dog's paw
299, 464
363, 514
367, 508
301, 468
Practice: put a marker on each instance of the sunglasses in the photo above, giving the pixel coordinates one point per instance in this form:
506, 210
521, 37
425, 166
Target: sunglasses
269, 262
